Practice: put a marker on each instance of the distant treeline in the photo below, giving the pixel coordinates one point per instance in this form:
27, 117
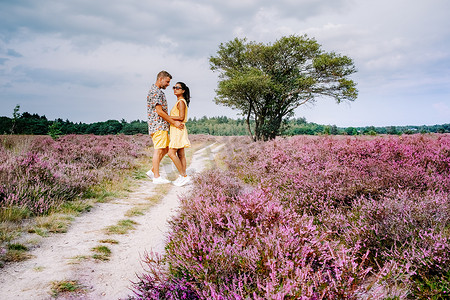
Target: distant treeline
27, 123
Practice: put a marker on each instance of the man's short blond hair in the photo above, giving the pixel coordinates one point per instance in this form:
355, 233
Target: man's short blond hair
163, 74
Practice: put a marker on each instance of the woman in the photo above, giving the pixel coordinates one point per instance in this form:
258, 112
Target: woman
179, 137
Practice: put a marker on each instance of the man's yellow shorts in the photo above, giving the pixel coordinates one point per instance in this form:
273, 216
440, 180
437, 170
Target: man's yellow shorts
160, 139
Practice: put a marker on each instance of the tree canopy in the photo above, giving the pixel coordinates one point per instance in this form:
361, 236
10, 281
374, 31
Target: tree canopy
267, 82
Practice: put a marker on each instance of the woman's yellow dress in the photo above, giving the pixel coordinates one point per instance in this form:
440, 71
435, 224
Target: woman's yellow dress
179, 137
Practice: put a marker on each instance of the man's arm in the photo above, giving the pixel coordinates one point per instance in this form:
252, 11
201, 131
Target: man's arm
177, 118
160, 111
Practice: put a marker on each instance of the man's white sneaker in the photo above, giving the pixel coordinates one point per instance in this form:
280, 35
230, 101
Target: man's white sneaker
150, 174
160, 180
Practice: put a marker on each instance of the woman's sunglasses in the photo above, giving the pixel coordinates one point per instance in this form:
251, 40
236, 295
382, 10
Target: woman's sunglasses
177, 87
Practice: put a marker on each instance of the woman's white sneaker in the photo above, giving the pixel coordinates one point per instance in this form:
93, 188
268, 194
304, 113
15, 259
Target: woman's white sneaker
178, 180
184, 181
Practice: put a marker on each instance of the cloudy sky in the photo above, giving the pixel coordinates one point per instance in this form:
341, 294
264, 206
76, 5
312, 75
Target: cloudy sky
90, 61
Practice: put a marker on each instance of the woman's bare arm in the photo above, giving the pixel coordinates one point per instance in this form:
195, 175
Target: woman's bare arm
182, 110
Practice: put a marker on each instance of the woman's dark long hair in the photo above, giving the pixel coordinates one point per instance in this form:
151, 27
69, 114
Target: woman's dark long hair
186, 94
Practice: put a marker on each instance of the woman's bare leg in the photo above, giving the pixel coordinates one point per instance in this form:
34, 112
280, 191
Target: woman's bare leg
182, 156
176, 161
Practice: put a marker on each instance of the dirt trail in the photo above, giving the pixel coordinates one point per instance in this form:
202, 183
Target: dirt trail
67, 256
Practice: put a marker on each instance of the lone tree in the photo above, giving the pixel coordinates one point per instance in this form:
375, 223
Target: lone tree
268, 82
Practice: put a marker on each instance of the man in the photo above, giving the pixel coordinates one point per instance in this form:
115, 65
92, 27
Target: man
158, 123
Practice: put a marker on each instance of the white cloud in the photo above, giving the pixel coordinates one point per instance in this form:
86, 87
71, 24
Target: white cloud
93, 60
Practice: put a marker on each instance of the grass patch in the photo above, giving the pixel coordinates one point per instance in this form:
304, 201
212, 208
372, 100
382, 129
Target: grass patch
53, 223
101, 253
122, 227
14, 214
101, 194
76, 208
109, 241
39, 231
139, 174
59, 220
136, 211
139, 210
77, 259
114, 188
142, 166
8, 231
17, 247
16, 252
66, 287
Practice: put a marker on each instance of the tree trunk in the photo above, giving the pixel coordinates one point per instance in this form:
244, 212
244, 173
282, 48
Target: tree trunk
249, 129
248, 120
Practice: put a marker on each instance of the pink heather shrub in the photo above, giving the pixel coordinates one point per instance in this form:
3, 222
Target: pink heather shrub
403, 230
42, 173
314, 218
251, 246
402, 225
154, 284
333, 171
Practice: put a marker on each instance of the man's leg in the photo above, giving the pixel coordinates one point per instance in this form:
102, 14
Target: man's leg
158, 155
161, 147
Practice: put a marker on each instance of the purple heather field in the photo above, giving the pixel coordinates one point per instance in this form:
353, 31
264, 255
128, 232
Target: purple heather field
312, 218
305, 217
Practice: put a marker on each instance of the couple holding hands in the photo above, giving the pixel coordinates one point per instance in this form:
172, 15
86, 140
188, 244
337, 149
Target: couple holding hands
160, 123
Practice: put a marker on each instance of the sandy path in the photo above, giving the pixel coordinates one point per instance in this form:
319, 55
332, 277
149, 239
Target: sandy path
56, 258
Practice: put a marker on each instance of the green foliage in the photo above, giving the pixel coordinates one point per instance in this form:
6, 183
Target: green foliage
27, 123
14, 214
15, 252
122, 227
109, 241
267, 82
54, 130
65, 287
101, 253
15, 118
218, 126
17, 247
